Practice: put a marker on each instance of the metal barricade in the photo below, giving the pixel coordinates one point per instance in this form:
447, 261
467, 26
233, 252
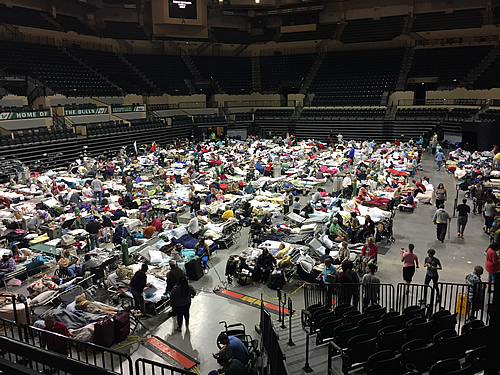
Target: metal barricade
469, 302
83, 352
415, 295
313, 294
144, 366
381, 294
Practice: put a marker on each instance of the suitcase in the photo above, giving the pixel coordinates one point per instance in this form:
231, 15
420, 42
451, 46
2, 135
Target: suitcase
104, 332
276, 281
122, 326
193, 269
337, 184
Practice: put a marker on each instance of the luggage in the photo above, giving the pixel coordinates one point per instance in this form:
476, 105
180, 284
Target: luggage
337, 184
193, 269
122, 326
22, 310
276, 281
104, 332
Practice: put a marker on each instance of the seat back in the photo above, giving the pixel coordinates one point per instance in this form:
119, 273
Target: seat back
444, 366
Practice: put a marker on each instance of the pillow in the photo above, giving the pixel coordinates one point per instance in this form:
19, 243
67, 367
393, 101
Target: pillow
43, 297
179, 232
155, 257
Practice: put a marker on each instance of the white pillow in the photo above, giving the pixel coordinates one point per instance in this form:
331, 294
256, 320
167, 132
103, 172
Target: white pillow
43, 297
155, 257
179, 232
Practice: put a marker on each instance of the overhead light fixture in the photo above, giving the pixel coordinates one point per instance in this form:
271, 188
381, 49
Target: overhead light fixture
257, 1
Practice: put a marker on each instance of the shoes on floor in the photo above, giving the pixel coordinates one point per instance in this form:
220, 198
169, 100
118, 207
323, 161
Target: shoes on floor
179, 329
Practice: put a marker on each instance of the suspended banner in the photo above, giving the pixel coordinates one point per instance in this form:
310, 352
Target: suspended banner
86, 111
24, 115
128, 108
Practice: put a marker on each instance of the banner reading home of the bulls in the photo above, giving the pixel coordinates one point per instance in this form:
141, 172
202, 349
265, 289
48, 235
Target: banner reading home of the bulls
86, 111
24, 115
129, 108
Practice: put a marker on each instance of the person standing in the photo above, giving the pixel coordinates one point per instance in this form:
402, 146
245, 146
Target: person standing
136, 287
180, 300
96, 186
432, 264
440, 219
296, 206
439, 159
371, 285
410, 262
477, 194
328, 275
92, 228
492, 264
475, 292
489, 214
463, 216
441, 195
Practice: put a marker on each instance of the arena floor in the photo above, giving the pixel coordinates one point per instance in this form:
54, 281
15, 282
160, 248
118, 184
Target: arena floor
458, 257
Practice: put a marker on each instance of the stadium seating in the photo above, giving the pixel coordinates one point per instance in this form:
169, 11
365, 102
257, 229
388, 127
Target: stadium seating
279, 68
25, 17
496, 15
421, 113
112, 67
273, 113
462, 114
356, 77
490, 77
243, 116
442, 63
182, 120
370, 30
233, 74
323, 31
123, 30
209, 119
490, 115
349, 114
169, 78
460, 19
55, 68
70, 23
236, 36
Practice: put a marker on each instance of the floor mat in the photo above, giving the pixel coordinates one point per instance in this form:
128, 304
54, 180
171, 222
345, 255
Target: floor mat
250, 301
170, 353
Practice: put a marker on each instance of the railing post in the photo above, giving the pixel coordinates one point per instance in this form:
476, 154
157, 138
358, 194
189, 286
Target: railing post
290, 341
306, 367
279, 305
283, 326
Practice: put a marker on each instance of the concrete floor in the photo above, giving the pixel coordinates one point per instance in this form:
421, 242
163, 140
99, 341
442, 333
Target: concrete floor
458, 257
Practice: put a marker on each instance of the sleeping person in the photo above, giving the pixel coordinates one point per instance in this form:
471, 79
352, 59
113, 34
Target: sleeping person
83, 304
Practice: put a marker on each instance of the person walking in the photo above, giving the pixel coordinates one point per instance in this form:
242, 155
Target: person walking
477, 194
93, 227
463, 216
441, 195
96, 186
489, 214
180, 300
371, 286
432, 264
475, 292
440, 219
439, 159
410, 262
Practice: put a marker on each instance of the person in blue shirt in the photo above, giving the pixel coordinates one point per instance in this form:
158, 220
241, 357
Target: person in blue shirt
121, 233
439, 159
233, 348
329, 272
351, 154
266, 221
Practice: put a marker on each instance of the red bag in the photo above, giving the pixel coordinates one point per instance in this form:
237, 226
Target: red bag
122, 326
104, 332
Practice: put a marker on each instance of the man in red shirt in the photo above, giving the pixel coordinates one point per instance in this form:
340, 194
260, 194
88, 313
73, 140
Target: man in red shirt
369, 253
420, 188
55, 342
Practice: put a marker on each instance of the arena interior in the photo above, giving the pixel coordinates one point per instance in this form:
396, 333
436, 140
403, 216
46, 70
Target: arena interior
248, 187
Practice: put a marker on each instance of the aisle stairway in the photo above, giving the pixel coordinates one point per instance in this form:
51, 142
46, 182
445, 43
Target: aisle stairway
296, 355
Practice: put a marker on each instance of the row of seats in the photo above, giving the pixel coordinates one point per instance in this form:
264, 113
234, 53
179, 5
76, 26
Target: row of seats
406, 339
462, 114
123, 30
370, 30
116, 70
209, 119
236, 36
182, 120
422, 113
460, 19
354, 113
490, 115
274, 70
442, 63
247, 116
323, 31
490, 77
273, 113
34, 136
24, 108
